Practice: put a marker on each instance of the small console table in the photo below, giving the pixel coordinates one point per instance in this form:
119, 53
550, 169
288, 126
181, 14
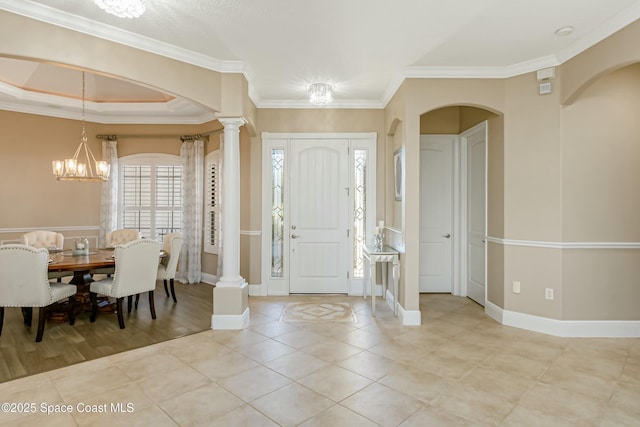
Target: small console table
385, 255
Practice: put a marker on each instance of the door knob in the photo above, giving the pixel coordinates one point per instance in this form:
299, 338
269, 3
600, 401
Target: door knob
294, 236
446, 235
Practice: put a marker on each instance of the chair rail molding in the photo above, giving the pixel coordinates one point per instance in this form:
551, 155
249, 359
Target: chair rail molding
564, 245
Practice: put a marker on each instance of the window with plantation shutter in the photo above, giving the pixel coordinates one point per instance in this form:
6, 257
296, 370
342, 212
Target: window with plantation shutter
150, 194
212, 203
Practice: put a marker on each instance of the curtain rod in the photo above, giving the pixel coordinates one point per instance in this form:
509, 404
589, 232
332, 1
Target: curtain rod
182, 137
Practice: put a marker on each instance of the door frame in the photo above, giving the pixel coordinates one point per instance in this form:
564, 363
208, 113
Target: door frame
459, 273
462, 247
357, 140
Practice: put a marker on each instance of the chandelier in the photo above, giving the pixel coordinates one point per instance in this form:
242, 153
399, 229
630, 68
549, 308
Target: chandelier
122, 8
78, 168
320, 93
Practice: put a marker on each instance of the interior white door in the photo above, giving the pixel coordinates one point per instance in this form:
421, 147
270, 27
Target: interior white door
319, 261
436, 219
476, 142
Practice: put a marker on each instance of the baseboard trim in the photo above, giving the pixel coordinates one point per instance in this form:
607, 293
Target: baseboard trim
565, 328
409, 317
209, 278
230, 321
257, 290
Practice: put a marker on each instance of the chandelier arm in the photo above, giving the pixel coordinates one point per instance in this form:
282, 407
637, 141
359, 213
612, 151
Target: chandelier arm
86, 153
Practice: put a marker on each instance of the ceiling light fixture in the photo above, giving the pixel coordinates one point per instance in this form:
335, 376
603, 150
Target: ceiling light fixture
564, 31
73, 170
320, 93
122, 8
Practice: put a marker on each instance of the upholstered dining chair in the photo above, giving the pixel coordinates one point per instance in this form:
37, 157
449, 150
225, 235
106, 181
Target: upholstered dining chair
135, 272
48, 240
122, 236
24, 283
113, 239
43, 239
171, 245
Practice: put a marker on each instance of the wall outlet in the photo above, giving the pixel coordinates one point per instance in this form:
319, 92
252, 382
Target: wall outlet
548, 293
516, 287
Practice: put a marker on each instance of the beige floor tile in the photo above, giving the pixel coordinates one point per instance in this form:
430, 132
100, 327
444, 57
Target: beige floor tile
338, 415
617, 417
266, 350
235, 339
224, 366
368, 365
273, 329
431, 416
474, 405
421, 385
561, 403
130, 397
40, 419
243, 416
254, 383
332, 351
151, 365
169, 384
573, 379
335, 382
146, 416
516, 365
43, 392
627, 398
630, 374
383, 405
445, 366
462, 350
360, 338
296, 365
200, 350
607, 367
444, 328
73, 387
292, 404
198, 407
527, 417
503, 384
300, 339
398, 351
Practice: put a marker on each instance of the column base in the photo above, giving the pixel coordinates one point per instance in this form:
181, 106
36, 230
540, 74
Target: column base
230, 305
230, 321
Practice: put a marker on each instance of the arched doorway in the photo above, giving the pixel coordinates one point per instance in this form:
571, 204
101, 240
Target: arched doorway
453, 201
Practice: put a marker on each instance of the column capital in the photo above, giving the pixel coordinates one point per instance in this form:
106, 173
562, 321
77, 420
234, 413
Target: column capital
231, 123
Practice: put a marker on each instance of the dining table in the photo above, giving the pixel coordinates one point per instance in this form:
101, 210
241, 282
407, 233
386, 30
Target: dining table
81, 265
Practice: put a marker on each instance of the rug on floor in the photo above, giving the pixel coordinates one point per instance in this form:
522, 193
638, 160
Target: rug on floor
319, 312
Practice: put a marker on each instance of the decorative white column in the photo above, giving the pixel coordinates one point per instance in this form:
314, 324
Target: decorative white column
230, 297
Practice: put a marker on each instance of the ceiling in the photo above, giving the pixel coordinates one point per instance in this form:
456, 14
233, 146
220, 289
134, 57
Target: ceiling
364, 48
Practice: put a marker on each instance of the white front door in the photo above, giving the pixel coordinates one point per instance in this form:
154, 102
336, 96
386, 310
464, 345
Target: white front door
319, 229
476, 142
436, 219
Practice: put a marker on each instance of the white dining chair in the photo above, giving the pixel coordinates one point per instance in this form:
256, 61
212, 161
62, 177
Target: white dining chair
24, 283
122, 236
172, 245
43, 239
48, 240
136, 265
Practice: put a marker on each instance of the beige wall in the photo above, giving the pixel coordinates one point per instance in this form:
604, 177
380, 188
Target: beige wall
565, 167
30, 142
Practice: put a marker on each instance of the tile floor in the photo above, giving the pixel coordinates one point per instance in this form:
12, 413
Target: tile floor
459, 368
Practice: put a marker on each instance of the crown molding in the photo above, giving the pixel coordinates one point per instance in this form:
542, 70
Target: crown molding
107, 32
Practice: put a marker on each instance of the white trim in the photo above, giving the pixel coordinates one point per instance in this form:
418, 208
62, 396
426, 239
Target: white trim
409, 317
251, 232
565, 328
389, 298
210, 279
67, 228
564, 245
257, 290
230, 321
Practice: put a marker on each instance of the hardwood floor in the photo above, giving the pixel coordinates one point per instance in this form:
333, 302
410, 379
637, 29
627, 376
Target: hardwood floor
65, 345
